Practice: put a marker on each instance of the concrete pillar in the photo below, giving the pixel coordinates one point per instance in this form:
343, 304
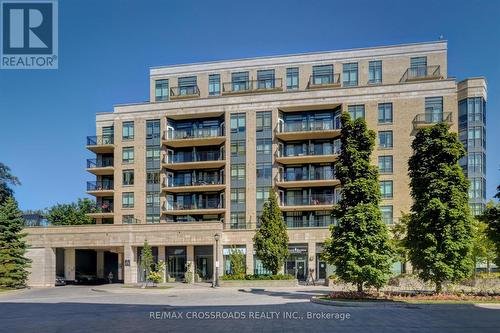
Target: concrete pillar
120, 266
69, 264
162, 257
130, 264
100, 264
311, 264
42, 272
249, 258
190, 260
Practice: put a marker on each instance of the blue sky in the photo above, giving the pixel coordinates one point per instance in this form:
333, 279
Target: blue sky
107, 47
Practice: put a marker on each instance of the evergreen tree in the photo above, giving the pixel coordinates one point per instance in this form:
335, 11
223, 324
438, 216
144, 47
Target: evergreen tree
147, 260
6, 178
271, 239
359, 245
13, 263
440, 226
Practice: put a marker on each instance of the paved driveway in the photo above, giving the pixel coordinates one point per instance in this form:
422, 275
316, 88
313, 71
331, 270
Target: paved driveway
115, 309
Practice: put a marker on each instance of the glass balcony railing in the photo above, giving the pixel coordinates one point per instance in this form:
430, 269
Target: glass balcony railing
315, 223
314, 199
422, 73
100, 185
307, 126
99, 163
299, 176
200, 204
98, 140
433, 118
193, 133
249, 86
309, 151
202, 156
103, 207
182, 181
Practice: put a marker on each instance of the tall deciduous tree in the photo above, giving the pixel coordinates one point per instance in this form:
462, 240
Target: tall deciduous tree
13, 263
72, 213
359, 245
6, 179
440, 226
491, 216
147, 260
271, 239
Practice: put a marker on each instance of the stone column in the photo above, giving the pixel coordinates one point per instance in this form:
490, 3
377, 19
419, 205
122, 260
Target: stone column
311, 259
69, 264
130, 264
190, 260
42, 272
120, 266
100, 264
162, 257
249, 258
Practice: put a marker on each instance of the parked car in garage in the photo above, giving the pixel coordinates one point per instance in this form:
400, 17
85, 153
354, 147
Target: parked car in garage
60, 281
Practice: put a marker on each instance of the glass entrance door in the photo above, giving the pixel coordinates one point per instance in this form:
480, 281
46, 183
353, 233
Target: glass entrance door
301, 269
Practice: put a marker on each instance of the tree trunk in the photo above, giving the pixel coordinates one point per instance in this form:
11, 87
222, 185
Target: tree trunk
488, 266
439, 287
360, 287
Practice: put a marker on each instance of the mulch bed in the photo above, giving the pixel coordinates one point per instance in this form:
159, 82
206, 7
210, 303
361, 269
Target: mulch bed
411, 295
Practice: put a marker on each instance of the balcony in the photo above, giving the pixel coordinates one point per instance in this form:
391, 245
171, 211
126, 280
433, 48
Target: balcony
314, 223
252, 86
424, 120
312, 202
100, 144
308, 156
102, 210
324, 81
198, 184
100, 166
195, 160
207, 136
100, 188
307, 130
422, 73
185, 92
316, 179
199, 207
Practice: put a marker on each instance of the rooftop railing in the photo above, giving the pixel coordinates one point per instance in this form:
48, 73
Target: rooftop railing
97, 140
422, 73
184, 92
100, 185
249, 86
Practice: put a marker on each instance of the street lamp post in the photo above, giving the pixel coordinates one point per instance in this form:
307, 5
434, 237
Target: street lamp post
217, 237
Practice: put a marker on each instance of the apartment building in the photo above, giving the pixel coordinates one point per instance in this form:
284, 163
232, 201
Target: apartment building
189, 170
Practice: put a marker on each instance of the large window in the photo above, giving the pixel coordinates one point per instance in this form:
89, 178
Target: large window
350, 75
386, 189
263, 121
238, 148
238, 123
385, 164
187, 85
375, 72
476, 136
161, 90
434, 109
387, 214
477, 189
262, 194
128, 177
128, 155
356, 111
128, 200
238, 196
237, 220
237, 172
323, 74
239, 81
128, 130
214, 85
292, 78
476, 162
264, 146
385, 139
152, 177
264, 171
385, 113
265, 79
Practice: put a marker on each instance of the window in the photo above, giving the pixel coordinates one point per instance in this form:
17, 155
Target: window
161, 90
128, 200
150, 218
264, 171
238, 195
477, 208
128, 219
375, 72
152, 177
264, 146
476, 162
237, 172
152, 199
152, 154
385, 113
386, 189
385, 139
385, 164
238, 148
323, 74
356, 111
239, 81
477, 189
238, 123
128, 130
350, 75
433, 109
262, 194
128, 177
418, 67
265, 79
153, 130
214, 85
237, 220
387, 214
128, 155
263, 121
187, 86
476, 136
292, 78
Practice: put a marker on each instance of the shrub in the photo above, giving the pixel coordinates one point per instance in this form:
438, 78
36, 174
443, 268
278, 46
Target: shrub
252, 277
155, 277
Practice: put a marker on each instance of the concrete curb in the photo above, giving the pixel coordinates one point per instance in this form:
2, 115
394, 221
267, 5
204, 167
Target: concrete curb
362, 304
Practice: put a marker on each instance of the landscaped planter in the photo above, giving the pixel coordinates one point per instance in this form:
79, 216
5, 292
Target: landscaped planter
259, 283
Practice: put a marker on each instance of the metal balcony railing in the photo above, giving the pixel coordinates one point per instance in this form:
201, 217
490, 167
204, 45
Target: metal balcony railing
309, 151
100, 185
293, 176
250, 86
181, 181
324, 80
192, 133
202, 156
433, 118
184, 92
99, 163
199, 204
422, 73
315, 223
284, 127
314, 199
98, 140
103, 207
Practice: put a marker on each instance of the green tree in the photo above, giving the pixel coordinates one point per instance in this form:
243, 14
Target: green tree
6, 179
491, 216
147, 260
398, 240
13, 263
359, 245
483, 248
237, 260
271, 239
73, 213
440, 226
